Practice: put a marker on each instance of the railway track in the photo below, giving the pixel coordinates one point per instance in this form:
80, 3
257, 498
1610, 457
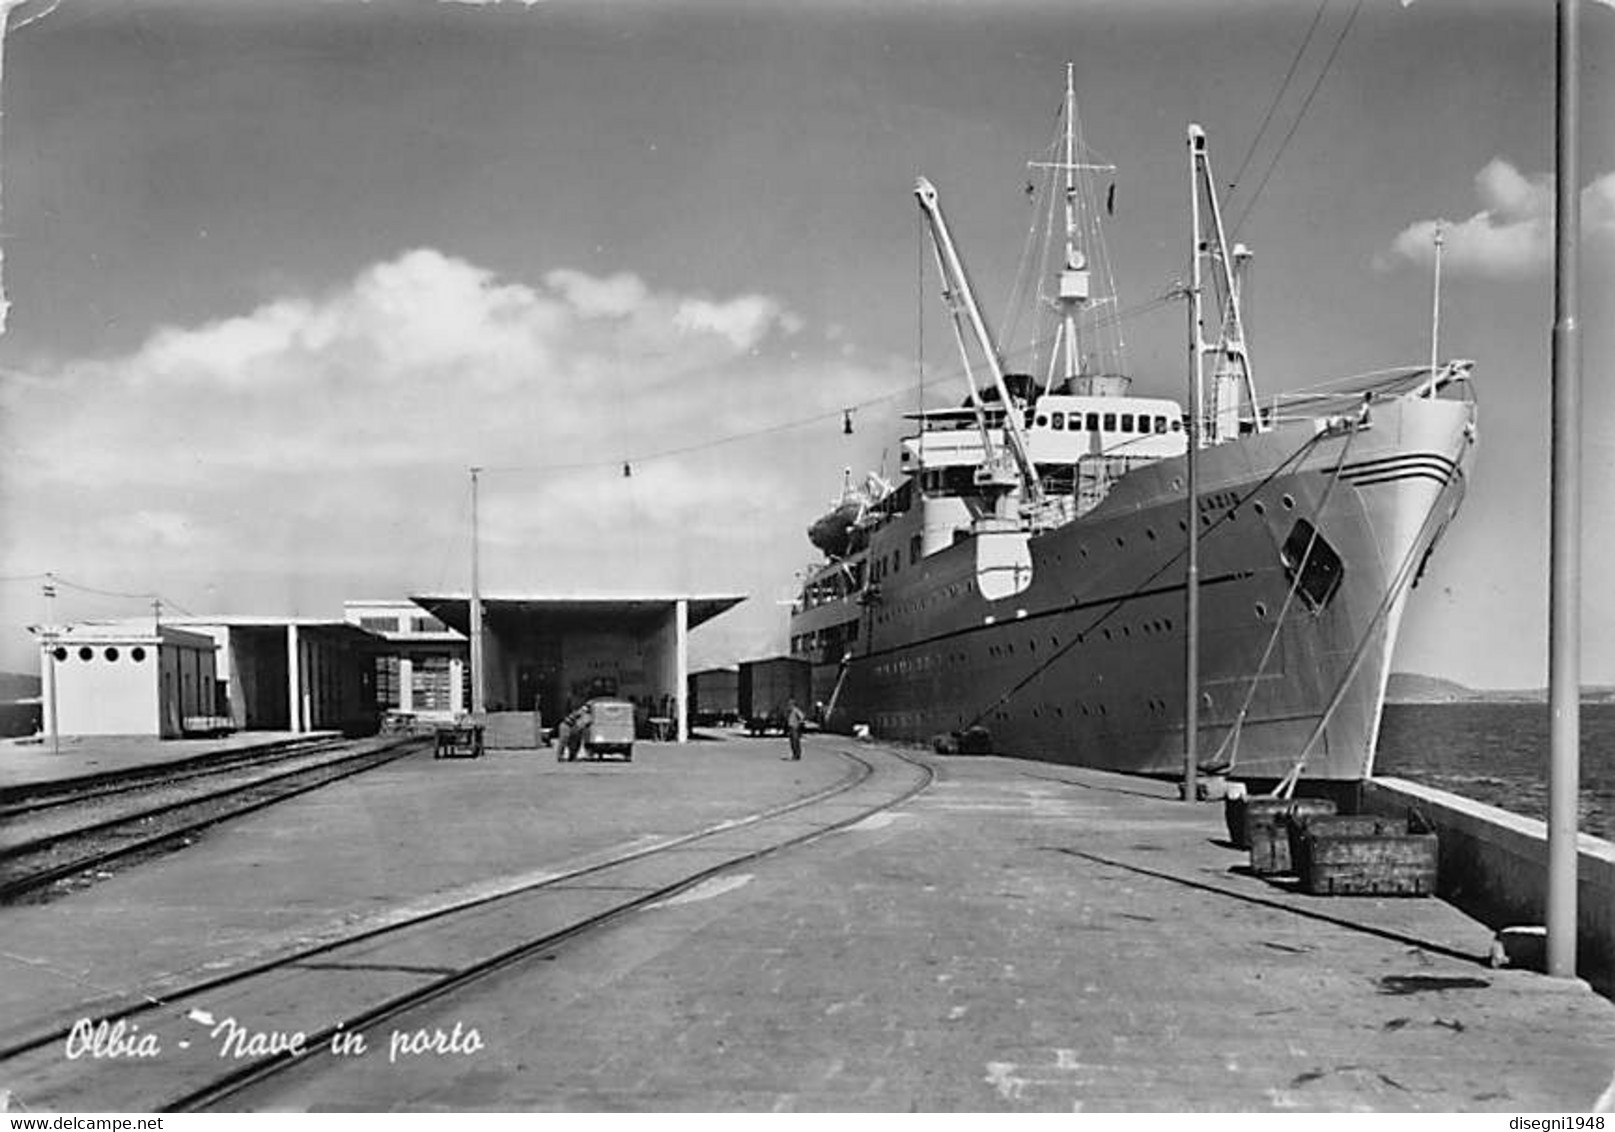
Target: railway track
74, 837
36, 797
223, 1036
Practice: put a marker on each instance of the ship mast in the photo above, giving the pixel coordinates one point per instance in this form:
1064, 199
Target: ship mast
1075, 279
1074, 276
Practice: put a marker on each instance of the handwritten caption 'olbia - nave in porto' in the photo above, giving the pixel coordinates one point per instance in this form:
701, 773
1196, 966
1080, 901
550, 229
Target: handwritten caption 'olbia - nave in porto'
121, 1039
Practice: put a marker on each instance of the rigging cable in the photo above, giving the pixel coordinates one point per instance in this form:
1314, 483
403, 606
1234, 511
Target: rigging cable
1283, 145
1301, 51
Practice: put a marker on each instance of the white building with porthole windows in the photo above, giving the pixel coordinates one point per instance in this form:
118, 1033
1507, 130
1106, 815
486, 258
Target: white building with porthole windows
129, 677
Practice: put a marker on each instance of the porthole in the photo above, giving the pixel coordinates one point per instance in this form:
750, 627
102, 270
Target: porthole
86, 653
1261, 610
1205, 699
1149, 533
1121, 542
59, 653
110, 653
1182, 526
1260, 507
1289, 502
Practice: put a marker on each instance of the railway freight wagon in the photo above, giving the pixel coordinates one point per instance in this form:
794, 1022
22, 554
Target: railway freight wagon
714, 697
766, 686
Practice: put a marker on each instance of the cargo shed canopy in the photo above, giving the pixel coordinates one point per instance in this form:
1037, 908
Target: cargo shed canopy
552, 653
563, 613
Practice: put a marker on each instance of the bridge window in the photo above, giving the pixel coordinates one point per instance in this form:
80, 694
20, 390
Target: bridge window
1160, 425
1110, 422
1127, 422
1076, 422
1093, 422
1057, 422
1042, 420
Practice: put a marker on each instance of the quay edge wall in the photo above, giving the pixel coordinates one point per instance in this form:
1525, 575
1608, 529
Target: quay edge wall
1494, 866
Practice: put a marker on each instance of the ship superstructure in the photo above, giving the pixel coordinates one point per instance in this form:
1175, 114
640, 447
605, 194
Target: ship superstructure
1024, 583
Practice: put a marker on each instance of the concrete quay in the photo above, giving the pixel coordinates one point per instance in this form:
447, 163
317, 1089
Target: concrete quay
1017, 937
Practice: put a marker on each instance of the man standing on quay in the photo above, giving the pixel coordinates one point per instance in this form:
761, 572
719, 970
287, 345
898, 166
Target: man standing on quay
794, 721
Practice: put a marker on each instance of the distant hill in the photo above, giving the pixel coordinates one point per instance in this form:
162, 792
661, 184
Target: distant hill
1413, 688
17, 686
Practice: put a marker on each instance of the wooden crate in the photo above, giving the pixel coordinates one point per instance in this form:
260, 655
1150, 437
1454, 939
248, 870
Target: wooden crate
1335, 825
1267, 830
1240, 812
1366, 856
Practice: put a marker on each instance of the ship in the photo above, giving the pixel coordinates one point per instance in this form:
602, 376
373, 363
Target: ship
1030, 584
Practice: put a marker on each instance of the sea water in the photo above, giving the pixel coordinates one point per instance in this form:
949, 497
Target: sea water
1497, 753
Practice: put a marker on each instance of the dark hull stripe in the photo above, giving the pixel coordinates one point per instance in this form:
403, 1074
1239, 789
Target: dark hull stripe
1059, 610
1370, 481
1385, 462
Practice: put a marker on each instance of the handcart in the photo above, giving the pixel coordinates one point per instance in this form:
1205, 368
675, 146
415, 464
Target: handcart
461, 741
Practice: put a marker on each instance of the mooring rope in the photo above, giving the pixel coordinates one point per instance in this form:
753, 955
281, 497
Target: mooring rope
1233, 733
1286, 785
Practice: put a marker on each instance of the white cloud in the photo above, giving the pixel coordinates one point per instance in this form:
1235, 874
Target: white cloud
617, 295
319, 443
1512, 235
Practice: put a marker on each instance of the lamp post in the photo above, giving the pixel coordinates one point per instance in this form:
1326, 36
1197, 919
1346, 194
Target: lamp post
478, 700
49, 662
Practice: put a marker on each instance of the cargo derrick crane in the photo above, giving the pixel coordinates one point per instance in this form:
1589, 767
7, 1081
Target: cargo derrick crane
1232, 376
997, 475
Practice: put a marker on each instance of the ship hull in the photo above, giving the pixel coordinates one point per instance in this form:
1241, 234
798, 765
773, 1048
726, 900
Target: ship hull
1085, 663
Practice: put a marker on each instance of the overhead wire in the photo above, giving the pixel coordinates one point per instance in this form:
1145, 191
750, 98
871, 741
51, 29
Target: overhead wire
1317, 83
1272, 107
68, 583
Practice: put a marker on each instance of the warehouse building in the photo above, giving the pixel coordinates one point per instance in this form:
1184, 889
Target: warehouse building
550, 654
127, 677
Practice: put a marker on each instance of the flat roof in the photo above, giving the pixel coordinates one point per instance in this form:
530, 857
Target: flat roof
135, 630
570, 612
251, 621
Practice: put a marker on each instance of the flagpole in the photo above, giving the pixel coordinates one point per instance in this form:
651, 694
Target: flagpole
1435, 316
1564, 554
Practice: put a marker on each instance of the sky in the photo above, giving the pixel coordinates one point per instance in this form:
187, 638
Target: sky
279, 274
